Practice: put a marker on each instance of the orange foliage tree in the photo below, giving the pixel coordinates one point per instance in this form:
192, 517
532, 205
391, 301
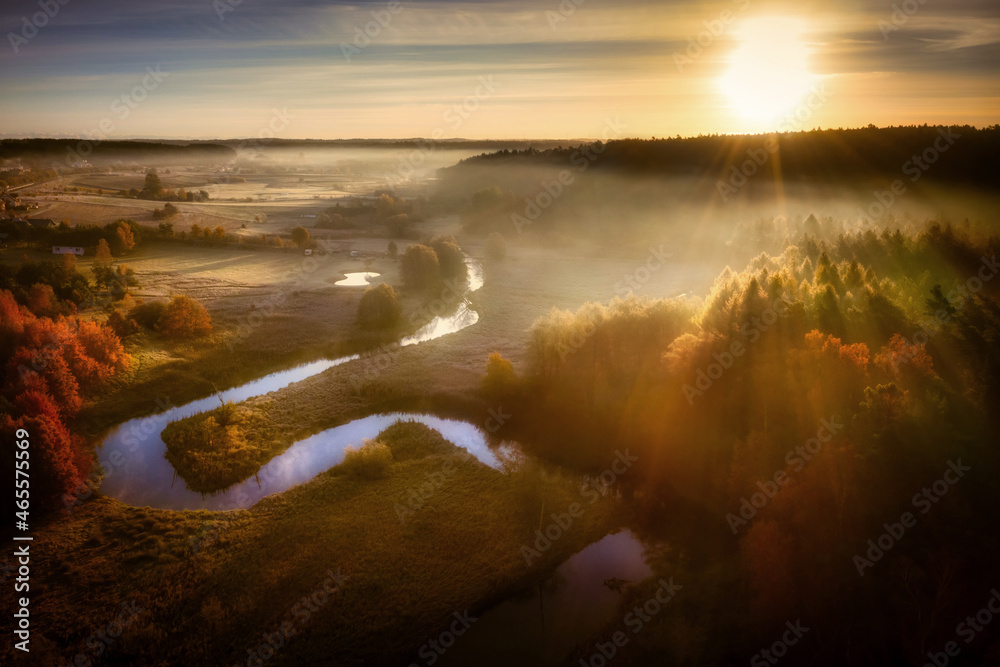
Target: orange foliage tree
185, 318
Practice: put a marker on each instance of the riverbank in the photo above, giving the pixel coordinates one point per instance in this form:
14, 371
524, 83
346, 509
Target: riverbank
211, 585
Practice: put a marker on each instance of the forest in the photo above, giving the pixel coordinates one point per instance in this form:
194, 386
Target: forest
821, 403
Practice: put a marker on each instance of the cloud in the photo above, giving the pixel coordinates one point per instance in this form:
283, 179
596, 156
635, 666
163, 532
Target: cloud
605, 57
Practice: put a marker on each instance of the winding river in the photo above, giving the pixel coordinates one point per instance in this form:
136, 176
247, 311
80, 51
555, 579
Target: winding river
137, 472
537, 626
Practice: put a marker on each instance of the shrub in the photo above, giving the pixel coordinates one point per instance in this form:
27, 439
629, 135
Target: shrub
121, 326
148, 314
372, 461
168, 211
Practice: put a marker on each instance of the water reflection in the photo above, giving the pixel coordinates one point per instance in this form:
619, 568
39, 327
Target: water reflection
543, 625
136, 471
357, 279
146, 478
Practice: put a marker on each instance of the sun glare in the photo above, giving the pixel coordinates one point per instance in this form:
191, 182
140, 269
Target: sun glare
768, 73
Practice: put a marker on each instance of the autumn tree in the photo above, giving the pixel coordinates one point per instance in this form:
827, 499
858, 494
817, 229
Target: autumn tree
379, 307
184, 318
67, 268
385, 206
124, 239
42, 301
420, 267
451, 259
300, 237
55, 453
102, 257
500, 379
48, 363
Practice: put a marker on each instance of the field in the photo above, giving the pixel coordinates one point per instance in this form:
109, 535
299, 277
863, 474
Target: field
203, 573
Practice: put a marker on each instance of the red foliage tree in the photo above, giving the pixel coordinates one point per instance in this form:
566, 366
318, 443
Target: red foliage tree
900, 354
46, 371
96, 354
54, 459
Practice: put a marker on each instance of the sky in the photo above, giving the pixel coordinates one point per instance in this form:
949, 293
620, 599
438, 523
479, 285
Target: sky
500, 69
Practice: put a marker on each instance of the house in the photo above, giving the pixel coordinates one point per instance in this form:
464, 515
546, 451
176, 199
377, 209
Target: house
67, 250
42, 223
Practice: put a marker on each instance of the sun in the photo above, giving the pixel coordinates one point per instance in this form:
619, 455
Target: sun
769, 72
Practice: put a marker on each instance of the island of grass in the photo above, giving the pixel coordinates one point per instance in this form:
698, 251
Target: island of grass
211, 451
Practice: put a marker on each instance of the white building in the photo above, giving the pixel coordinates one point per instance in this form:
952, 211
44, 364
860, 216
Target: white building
66, 250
